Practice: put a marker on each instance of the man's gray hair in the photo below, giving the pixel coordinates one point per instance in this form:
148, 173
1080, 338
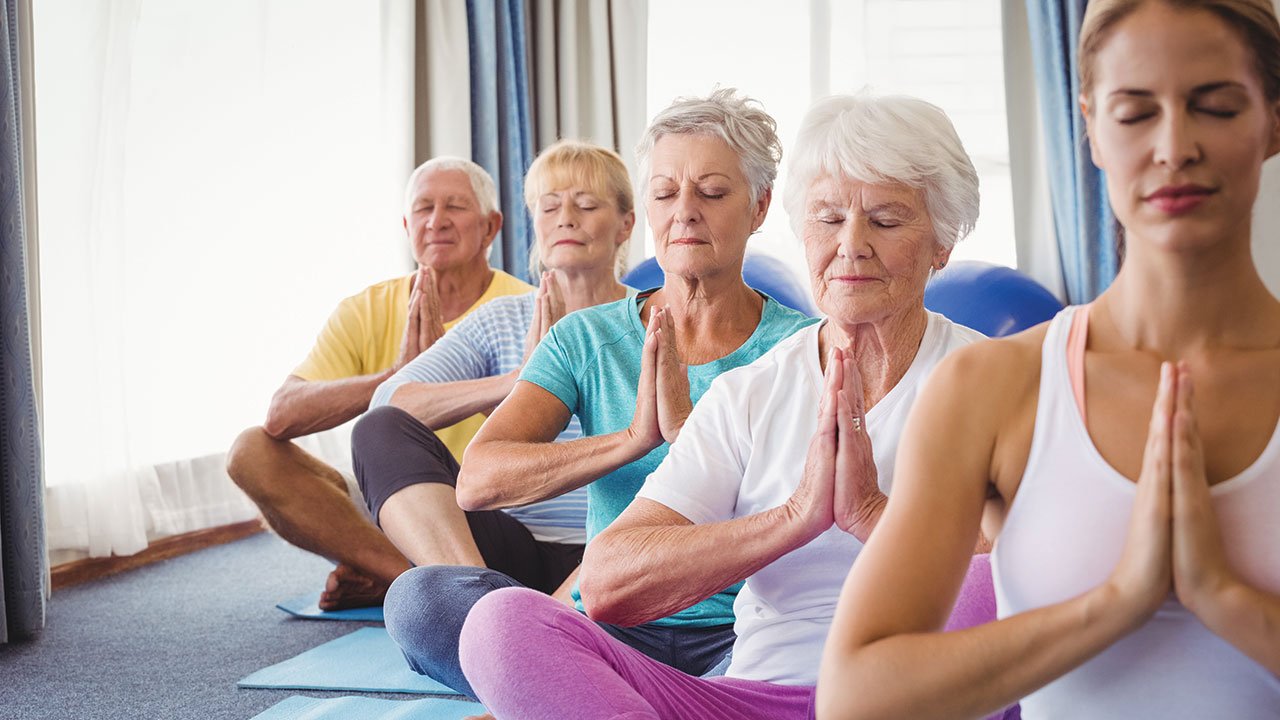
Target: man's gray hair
481, 184
889, 138
738, 120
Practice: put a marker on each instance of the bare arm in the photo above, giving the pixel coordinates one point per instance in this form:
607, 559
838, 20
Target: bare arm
652, 562
439, 405
301, 407
514, 460
885, 656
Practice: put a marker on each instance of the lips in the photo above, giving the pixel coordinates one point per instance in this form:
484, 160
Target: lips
1179, 199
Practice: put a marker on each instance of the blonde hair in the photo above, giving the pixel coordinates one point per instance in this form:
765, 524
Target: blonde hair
1255, 20
574, 163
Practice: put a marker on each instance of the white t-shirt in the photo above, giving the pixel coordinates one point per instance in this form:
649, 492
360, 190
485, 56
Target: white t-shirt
742, 452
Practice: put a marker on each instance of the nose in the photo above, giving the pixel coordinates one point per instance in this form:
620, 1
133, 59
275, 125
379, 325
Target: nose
566, 217
854, 240
438, 218
687, 210
1176, 144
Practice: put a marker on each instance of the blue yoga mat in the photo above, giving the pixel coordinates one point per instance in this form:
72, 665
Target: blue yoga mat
344, 708
308, 606
367, 660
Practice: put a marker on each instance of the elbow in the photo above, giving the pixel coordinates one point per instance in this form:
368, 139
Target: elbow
601, 596
602, 605
278, 425
475, 489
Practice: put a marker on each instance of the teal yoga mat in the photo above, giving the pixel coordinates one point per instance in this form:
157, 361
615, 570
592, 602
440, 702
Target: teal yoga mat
344, 708
367, 660
308, 606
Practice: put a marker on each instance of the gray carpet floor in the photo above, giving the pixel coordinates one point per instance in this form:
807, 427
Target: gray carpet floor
170, 640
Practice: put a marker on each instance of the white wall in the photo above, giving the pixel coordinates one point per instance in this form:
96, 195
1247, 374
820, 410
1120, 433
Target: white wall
1266, 226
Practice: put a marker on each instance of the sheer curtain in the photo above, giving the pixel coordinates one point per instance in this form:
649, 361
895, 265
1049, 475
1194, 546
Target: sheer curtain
215, 175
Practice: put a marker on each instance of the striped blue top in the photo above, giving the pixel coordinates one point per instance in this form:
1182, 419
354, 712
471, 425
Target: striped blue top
488, 342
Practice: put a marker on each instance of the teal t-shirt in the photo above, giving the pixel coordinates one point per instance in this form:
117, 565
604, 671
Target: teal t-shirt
590, 360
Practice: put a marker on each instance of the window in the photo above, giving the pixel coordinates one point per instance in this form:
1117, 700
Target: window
787, 54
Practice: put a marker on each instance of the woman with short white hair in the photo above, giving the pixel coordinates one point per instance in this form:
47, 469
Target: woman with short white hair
760, 488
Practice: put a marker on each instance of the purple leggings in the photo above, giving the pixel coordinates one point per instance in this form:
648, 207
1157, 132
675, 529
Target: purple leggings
530, 657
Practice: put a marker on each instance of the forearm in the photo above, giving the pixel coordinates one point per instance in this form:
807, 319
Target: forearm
439, 405
966, 673
1247, 618
506, 473
301, 407
638, 574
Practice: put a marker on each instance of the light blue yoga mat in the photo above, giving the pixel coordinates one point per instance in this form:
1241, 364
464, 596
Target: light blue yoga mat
345, 708
367, 660
308, 606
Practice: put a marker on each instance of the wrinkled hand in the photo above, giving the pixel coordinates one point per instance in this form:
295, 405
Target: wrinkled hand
645, 429
548, 308
672, 379
425, 322
858, 500
1144, 576
1200, 568
813, 501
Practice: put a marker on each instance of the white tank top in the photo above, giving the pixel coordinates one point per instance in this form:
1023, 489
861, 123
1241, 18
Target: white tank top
1064, 534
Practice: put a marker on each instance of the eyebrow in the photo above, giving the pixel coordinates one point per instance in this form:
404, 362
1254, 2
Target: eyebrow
892, 206
700, 177
1204, 89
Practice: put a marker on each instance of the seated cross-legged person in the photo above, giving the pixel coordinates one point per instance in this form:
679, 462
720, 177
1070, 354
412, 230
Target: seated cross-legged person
630, 371
582, 205
451, 218
783, 468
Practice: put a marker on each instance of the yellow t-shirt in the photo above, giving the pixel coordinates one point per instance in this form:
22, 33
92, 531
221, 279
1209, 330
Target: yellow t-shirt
364, 333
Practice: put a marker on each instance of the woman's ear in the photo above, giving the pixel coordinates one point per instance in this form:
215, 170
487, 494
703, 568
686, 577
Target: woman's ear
941, 256
762, 209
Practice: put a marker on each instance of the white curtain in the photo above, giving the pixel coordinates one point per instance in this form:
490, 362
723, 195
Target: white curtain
1032, 211
589, 67
214, 175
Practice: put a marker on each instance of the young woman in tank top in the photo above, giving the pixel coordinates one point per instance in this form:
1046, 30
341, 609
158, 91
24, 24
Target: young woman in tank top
1131, 477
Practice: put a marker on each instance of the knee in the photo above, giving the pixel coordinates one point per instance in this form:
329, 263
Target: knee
248, 455
508, 629
376, 428
505, 616
425, 607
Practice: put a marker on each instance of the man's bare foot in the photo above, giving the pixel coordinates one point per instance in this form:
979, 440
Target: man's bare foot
347, 587
485, 716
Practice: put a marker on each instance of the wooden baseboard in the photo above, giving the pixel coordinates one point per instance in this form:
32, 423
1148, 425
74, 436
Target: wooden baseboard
80, 571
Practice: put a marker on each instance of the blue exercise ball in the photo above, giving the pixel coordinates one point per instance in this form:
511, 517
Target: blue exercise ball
767, 274
992, 299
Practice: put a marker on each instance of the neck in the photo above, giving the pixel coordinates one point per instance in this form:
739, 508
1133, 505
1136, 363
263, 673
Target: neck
585, 287
883, 350
1175, 304
460, 287
710, 313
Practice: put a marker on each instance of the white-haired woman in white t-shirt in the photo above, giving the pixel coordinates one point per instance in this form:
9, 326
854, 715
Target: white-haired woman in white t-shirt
781, 471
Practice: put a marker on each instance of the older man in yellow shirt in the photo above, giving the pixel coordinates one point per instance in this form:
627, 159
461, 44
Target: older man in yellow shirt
451, 219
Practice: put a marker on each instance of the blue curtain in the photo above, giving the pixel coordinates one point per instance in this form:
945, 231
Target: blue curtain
501, 126
1082, 218
22, 554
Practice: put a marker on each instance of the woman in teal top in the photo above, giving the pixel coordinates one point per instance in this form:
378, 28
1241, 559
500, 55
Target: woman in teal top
631, 371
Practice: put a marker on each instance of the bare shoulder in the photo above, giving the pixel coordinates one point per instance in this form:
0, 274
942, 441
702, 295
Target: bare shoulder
992, 372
